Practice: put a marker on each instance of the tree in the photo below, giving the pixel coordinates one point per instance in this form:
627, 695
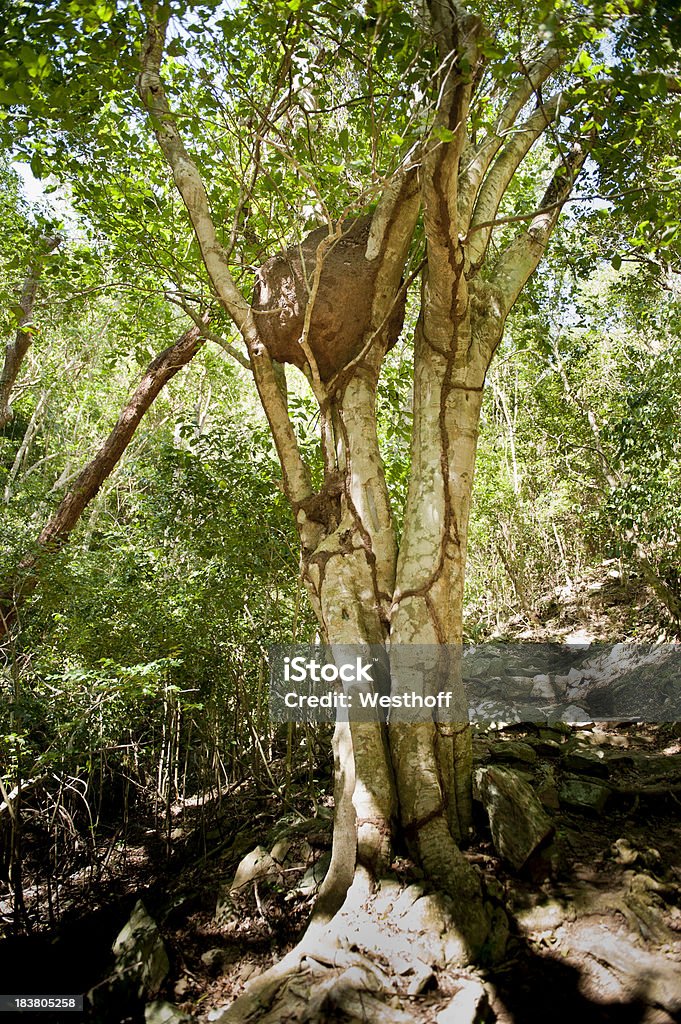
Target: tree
472, 125
89, 480
362, 588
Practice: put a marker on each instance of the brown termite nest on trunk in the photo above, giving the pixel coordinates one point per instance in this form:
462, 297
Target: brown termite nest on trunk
341, 315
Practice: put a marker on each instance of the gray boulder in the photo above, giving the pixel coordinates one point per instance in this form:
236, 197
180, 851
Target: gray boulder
517, 820
141, 958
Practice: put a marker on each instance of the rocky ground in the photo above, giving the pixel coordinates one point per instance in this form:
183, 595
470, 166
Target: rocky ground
578, 836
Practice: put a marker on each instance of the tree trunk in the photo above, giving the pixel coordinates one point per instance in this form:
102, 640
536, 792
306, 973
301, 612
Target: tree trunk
89, 481
418, 774
361, 592
350, 577
16, 348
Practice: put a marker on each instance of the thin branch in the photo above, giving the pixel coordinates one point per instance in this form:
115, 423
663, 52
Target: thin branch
519, 217
504, 168
208, 334
481, 157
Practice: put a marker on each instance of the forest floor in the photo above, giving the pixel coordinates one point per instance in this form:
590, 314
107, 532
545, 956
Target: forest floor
594, 912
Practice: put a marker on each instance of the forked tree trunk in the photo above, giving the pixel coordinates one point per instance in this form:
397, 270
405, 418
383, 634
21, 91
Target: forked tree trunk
411, 782
361, 591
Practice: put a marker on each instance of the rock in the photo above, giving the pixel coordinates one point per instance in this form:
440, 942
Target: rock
560, 684
517, 820
556, 732
141, 958
305, 852
164, 1013
547, 748
584, 794
498, 935
543, 688
586, 759
255, 865
513, 750
213, 958
655, 764
469, 1005
547, 790
350, 995
499, 714
481, 748
571, 715
314, 876
280, 850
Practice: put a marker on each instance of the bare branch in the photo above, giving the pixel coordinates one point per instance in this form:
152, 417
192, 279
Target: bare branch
193, 192
186, 174
208, 334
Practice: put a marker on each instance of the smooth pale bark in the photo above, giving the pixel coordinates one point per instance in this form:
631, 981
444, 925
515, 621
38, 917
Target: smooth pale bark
461, 323
17, 347
91, 478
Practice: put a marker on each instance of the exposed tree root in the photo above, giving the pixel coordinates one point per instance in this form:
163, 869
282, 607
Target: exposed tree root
374, 957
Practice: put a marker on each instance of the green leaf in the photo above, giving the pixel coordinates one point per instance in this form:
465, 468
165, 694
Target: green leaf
443, 134
584, 61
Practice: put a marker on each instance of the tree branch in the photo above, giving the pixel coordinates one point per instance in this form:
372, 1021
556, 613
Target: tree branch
481, 157
16, 349
185, 172
457, 33
502, 171
193, 192
520, 258
210, 335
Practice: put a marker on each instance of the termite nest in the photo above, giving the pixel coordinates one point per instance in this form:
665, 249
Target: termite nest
341, 314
